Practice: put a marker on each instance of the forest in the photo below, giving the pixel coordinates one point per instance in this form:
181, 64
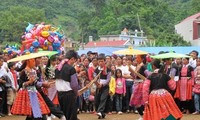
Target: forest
80, 19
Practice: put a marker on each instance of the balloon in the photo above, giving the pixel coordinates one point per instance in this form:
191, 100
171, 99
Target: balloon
62, 42
35, 44
56, 45
10, 52
31, 49
41, 41
28, 36
52, 33
50, 48
49, 43
53, 29
27, 41
50, 39
59, 35
45, 47
46, 27
41, 36
45, 42
27, 46
29, 27
45, 34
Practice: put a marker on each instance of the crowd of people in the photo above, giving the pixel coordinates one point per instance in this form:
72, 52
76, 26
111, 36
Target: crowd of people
44, 87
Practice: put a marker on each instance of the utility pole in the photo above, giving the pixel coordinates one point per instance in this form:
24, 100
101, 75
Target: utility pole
139, 21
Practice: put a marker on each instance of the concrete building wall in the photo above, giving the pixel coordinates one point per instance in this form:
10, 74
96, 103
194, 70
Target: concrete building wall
195, 42
109, 38
185, 29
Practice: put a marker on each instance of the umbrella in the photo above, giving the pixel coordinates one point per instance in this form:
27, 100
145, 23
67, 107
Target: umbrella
170, 55
48, 53
130, 51
33, 55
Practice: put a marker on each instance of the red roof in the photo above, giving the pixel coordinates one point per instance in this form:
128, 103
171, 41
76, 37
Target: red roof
106, 43
192, 17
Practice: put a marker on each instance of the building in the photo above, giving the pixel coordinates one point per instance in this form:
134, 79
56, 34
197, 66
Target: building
70, 44
189, 29
126, 38
118, 43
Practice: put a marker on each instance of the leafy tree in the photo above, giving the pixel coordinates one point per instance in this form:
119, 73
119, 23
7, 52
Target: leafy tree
14, 21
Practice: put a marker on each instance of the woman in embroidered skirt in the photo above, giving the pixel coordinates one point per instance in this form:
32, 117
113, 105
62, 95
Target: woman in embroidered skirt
50, 74
159, 104
136, 97
28, 101
184, 86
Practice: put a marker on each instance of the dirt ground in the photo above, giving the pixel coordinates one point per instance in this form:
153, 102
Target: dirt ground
85, 116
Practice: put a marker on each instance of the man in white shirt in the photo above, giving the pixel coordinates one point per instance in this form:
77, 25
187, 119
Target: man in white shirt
193, 60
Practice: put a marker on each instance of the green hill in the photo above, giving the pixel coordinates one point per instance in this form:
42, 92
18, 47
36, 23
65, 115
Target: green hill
82, 18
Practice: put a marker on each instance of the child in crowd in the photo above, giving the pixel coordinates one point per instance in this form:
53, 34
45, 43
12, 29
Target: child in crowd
11, 92
91, 99
112, 87
86, 95
120, 90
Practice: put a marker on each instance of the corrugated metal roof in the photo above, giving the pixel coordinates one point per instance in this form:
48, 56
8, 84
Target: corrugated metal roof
105, 43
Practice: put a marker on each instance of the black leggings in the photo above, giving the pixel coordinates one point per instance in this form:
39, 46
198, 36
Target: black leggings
140, 110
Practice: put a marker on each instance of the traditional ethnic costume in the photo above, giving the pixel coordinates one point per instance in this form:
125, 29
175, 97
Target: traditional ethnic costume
103, 92
137, 96
184, 86
160, 105
52, 92
67, 87
28, 101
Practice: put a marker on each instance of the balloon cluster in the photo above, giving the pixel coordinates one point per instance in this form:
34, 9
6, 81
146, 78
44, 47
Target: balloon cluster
41, 36
10, 50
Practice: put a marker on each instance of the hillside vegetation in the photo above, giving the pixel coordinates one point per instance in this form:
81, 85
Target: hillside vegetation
82, 18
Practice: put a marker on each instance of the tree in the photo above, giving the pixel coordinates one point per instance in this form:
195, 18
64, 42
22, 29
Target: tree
14, 21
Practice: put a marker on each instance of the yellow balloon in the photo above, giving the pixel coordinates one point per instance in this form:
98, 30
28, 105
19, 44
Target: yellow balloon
45, 47
45, 34
46, 27
49, 43
53, 29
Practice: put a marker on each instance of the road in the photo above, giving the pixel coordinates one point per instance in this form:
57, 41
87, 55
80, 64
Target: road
85, 116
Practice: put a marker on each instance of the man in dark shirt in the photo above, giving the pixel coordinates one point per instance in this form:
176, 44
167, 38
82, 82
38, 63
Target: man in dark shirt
67, 85
102, 86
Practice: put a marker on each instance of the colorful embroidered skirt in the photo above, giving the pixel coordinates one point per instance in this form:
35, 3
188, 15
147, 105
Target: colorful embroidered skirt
29, 103
161, 106
136, 97
184, 90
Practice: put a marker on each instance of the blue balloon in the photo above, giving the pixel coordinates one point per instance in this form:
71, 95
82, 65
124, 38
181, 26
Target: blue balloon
29, 27
59, 35
10, 52
56, 45
31, 49
35, 44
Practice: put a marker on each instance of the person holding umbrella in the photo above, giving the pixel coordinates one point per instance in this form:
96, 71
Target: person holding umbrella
28, 101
